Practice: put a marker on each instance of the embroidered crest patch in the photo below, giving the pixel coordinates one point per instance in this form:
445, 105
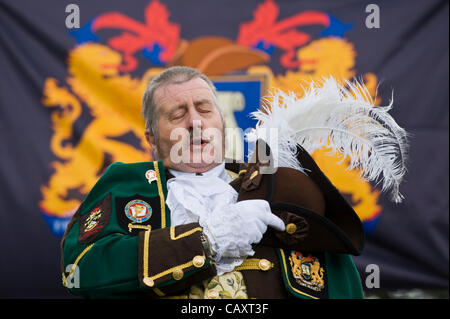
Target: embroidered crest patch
93, 219
305, 274
138, 211
93, 222
307, 271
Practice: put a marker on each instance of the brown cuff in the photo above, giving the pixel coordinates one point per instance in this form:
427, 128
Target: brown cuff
173, 258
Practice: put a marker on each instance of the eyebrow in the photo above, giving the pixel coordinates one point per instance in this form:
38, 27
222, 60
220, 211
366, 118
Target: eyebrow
202, 101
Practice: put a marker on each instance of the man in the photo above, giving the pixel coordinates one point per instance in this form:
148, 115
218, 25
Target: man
199, 233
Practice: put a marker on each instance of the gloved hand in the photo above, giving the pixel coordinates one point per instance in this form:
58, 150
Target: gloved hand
232, 229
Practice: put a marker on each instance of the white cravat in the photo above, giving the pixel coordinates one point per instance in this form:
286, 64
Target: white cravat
191, 196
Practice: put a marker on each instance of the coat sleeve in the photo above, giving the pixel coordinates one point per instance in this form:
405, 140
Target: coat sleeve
150, 263
104, 254
173, 258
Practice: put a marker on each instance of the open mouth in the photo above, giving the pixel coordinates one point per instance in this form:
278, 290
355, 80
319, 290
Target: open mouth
198, 142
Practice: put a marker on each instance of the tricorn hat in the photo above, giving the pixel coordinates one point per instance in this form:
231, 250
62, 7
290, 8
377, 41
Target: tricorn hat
317, 216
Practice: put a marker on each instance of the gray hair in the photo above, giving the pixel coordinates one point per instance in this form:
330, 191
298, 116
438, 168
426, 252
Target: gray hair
172, 75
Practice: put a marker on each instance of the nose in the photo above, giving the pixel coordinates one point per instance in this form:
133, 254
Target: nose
195, 120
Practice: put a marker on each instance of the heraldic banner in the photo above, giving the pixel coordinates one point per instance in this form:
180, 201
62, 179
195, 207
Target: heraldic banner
72, 76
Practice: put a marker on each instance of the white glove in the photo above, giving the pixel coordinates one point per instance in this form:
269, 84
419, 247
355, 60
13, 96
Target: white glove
232, 229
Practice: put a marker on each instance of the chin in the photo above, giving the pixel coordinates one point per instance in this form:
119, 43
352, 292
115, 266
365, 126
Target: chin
201, 167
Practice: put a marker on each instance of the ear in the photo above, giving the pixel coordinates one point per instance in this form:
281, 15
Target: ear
151, 140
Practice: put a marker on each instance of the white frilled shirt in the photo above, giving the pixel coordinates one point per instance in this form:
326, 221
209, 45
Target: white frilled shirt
194, 197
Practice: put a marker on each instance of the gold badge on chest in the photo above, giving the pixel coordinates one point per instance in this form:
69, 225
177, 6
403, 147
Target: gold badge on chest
138, 211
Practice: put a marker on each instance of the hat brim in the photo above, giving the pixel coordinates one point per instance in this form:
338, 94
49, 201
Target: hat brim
339, 214
333, 225
323, 234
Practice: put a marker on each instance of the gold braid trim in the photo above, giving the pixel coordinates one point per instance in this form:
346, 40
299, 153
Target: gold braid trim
74, 265
185, 234
161, 195
251, 264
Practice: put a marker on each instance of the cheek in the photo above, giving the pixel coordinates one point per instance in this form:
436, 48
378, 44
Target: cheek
177, 132
216, 122
216, 131
163, 134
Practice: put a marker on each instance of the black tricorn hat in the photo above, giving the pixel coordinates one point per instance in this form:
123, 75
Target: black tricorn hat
317, 216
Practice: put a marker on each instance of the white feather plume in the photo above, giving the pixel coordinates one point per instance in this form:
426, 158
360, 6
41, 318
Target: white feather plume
343, 118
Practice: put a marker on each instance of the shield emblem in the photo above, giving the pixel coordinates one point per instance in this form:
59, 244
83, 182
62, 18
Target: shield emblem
306, 271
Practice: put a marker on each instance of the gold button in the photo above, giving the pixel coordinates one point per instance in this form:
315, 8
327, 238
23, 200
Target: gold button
264, 264
291, 228
212, 294
148, 281
198, 261
177, 274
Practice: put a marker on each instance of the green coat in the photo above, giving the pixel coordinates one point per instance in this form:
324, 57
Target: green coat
120, 244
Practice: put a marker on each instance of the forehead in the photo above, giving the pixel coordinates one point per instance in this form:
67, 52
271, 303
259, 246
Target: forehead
172, 95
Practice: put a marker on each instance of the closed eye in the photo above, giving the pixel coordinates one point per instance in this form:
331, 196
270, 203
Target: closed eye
178, 114
203, 106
